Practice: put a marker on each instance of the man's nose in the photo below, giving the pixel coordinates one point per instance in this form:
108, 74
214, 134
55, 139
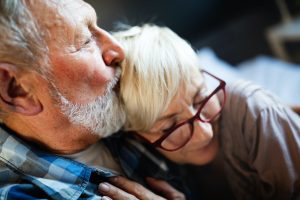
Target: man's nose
112, 52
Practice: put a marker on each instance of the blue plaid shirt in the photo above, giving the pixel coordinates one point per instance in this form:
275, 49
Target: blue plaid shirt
27, 172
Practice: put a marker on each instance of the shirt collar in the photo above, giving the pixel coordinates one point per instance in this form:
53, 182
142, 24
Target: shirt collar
60, 175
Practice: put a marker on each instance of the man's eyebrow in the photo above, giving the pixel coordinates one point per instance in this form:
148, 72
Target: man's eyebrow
80, 35
87, 20
94, 16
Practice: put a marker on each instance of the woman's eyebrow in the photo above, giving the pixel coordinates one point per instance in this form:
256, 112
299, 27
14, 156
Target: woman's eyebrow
200, 89
170, 115
167, 116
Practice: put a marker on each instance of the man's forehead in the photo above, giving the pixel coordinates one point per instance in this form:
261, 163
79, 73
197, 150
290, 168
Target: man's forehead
57, 16
55, 3
49, 10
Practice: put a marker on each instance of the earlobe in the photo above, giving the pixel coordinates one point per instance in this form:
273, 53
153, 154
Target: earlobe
13, 94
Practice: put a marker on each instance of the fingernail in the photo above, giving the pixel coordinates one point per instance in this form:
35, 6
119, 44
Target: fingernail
106, 198
104, 187
113, 179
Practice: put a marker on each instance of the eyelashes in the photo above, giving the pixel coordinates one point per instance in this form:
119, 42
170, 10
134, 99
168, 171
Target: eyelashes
88, 41
174, 122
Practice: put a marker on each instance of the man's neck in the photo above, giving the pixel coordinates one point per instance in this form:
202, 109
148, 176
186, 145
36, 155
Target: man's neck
97, 155
62, 138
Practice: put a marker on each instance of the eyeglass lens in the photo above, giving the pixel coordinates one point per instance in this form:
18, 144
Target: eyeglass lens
182, 133
178, 137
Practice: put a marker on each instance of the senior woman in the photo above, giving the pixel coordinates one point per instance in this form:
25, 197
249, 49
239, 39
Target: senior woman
191, 116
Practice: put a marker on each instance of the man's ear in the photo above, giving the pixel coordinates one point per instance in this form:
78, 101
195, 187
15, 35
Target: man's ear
14, 93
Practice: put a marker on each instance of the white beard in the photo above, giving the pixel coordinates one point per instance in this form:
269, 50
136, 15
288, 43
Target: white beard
104, 116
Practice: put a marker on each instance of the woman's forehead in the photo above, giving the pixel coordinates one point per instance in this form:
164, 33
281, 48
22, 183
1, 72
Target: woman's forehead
185, 95
193, 85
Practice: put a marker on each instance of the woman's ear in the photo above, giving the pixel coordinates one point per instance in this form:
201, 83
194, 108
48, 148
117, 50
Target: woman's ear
14, 93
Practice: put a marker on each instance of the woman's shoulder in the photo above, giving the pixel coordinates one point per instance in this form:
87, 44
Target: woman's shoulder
259, 132
252, 97
251, 112
248, 106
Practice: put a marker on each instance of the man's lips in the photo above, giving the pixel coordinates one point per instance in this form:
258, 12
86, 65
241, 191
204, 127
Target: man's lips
117, 87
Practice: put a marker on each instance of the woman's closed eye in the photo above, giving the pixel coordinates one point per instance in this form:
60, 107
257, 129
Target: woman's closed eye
169, 126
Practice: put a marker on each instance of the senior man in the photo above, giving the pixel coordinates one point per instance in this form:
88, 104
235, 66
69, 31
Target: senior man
58, 70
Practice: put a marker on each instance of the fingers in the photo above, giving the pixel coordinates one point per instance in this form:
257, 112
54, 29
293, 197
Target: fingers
123, 188
112, 192
134, 188
165, 189
106, 198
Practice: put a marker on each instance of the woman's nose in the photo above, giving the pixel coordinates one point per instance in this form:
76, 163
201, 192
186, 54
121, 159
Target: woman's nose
202, 131
112, 52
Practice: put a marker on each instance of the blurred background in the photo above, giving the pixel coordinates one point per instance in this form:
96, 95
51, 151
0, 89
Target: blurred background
258, 40
252, 39
234, 29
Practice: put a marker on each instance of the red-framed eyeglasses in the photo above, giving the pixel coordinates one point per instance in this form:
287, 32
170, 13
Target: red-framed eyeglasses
179, 135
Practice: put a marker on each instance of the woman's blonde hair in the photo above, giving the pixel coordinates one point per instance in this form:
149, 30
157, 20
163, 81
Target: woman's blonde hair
157, 62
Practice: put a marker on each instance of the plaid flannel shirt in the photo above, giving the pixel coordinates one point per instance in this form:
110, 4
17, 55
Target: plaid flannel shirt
27, 172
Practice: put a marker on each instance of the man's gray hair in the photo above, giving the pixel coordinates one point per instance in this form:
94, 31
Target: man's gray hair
21, 41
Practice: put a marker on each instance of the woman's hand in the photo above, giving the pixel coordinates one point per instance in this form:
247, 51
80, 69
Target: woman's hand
124, 189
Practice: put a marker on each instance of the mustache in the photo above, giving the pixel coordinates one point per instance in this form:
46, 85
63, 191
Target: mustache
102, 116
114, 83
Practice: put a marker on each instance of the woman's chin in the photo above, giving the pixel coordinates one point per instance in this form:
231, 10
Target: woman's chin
195, 156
